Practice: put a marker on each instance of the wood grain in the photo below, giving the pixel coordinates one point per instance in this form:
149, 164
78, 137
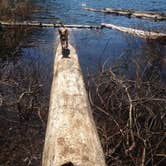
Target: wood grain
71, 135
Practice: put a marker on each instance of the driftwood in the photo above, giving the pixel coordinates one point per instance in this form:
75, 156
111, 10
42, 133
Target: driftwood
40, 24
140, 33
131, 13
71, 136
161, 37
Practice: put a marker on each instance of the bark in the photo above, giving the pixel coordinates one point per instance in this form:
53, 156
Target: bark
71, 136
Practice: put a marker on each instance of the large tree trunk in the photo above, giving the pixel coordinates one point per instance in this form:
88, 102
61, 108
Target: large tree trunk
131, 13
71, 136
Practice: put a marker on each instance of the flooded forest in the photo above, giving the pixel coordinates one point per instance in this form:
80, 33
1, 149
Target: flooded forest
124, 75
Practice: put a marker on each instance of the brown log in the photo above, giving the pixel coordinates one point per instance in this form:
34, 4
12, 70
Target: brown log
71, 136
140, 33
131, 13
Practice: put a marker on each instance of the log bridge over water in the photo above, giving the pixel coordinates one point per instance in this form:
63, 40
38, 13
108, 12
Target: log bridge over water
71, 136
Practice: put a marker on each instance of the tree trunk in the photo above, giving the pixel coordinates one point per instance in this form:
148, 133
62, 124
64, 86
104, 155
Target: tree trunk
71, 136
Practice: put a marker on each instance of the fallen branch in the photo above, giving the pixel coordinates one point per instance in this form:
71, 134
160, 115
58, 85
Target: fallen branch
140, 33
131, 13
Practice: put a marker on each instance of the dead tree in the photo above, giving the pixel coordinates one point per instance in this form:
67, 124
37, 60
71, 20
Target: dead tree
71, 136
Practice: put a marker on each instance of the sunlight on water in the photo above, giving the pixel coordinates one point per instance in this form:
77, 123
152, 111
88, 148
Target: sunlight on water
83, 4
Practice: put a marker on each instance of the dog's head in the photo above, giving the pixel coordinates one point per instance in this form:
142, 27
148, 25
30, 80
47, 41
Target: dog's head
63, 32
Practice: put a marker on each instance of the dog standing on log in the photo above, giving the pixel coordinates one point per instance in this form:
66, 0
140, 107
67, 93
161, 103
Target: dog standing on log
63, 32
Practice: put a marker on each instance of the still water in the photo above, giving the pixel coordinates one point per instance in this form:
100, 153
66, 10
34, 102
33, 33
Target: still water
96, 47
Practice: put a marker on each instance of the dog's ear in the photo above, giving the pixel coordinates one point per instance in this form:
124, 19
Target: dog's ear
60, 32
66, 31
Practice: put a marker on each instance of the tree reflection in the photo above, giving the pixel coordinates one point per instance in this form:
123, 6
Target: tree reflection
156, 61
16, 10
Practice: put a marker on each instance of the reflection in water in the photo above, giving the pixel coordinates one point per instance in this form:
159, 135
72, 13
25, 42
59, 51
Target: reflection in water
146, 61
156, 64
16, 10
11, 40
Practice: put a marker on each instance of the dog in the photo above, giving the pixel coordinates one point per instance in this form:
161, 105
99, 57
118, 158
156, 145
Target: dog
63, 32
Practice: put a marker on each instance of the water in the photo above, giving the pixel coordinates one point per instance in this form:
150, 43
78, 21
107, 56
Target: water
71, 12
94, 47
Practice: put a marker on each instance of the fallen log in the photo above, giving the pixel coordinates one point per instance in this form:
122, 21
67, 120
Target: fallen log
140, 33
71, 136
131, 13
161, 37
40, 24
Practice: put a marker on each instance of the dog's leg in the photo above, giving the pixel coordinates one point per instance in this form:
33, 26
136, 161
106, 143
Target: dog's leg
67, 42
